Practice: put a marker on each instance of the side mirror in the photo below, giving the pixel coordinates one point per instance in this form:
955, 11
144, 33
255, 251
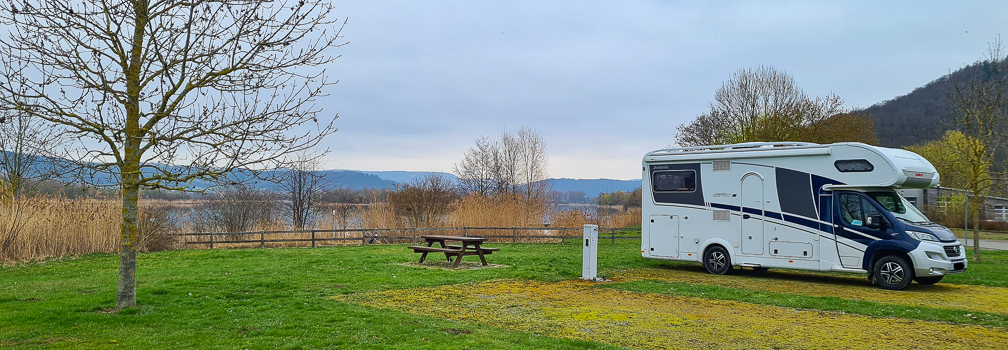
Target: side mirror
874, 221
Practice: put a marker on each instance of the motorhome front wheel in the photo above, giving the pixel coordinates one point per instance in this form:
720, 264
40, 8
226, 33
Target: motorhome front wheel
893, 272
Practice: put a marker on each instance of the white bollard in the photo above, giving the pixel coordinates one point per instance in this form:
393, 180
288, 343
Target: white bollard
589, 259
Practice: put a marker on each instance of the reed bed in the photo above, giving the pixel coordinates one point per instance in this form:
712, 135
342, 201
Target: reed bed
43, 227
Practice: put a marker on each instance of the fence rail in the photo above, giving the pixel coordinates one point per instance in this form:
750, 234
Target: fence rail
396, 235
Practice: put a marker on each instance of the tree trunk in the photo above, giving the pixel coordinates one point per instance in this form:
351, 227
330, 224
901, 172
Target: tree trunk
976, 231
126, 296
130, 168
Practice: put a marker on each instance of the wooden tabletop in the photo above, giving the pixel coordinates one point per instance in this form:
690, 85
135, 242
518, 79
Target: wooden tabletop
453, 238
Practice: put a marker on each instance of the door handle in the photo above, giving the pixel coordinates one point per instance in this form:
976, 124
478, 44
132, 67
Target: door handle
745, 216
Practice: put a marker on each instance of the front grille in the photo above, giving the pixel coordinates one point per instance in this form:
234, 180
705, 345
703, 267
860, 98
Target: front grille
953, 250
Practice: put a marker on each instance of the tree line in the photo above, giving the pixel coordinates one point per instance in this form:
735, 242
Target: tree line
960, 123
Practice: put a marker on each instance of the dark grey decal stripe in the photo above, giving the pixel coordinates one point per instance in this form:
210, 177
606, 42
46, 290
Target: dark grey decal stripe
805, 222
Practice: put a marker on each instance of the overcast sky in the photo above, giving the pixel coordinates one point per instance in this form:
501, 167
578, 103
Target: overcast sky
605, 82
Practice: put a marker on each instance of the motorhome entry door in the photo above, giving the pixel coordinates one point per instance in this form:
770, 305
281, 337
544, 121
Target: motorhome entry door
752, 214
664, 235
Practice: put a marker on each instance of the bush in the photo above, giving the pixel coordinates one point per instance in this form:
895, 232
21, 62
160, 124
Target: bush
157, 228
239, 209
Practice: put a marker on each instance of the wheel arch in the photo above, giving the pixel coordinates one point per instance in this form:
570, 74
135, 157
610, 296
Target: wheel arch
721, 242
878, 249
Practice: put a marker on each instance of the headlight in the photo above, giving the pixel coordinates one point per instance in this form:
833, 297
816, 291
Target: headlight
935, 256
923, 236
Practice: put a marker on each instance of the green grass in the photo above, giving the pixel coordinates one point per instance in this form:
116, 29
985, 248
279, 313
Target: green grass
277, 298
991, 270
816, 303
274, 298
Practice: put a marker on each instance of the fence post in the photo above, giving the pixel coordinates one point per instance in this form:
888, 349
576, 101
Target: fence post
262, 239
313, 238
414, 235
465, 231
612, 231
211, 240
563, 235
363, 239
514, 235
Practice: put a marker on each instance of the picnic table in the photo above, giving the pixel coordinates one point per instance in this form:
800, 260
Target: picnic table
465, 246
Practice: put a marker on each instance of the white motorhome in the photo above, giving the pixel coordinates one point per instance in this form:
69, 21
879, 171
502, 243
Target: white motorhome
796, 205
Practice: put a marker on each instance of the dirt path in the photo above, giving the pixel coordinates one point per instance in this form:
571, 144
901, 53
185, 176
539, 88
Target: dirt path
581, 310
852, 287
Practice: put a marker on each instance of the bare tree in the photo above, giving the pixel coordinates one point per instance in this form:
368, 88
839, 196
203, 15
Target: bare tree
425, 201
239, 208
302, 183
25, 143
162, 93
515, 163
982, 107
475, 171
765, 104
532, 163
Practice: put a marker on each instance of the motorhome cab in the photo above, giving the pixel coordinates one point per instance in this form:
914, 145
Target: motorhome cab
798, 206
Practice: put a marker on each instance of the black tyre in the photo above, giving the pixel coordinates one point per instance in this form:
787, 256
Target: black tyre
929, 280
893, 272
717, 261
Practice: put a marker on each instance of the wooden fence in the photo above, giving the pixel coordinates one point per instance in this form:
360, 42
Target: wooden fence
316, 238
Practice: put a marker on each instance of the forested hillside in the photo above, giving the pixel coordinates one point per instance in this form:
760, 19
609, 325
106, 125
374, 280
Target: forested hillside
922, 115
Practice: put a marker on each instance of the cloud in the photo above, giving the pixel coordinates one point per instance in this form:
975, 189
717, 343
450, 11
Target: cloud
606, 82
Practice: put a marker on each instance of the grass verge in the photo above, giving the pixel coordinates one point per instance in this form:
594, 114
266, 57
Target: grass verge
278, 298
825, 303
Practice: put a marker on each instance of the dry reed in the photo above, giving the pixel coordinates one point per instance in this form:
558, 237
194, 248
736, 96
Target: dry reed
53, 226
42, 227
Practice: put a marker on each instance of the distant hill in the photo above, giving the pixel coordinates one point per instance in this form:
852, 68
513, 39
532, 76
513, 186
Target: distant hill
925, 113
406, 176
593, 187
357, 180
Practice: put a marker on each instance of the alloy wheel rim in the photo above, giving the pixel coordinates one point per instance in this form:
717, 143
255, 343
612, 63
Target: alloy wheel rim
717, 260
891, 272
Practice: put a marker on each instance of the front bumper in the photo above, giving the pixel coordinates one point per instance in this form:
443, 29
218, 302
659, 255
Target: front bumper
939, 259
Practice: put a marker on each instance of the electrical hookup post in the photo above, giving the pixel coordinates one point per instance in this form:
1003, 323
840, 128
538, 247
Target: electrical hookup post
589, 257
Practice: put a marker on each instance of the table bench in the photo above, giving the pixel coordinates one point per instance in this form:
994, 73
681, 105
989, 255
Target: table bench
466, 246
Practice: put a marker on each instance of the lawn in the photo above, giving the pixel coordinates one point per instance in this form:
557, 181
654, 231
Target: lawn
284, 298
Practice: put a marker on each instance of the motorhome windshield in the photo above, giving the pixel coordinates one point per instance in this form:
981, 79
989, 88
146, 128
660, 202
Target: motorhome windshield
899, 207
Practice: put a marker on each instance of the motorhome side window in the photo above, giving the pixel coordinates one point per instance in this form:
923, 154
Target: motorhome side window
674, 181
854, 208
854, 166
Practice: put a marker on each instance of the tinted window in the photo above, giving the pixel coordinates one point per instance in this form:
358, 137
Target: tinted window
674, 181
854, 166
854, 209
